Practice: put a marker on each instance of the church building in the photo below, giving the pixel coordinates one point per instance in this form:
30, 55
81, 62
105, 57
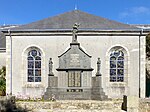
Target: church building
75, 55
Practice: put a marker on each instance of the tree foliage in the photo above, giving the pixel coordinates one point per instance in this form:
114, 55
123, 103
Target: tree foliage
3, 81
148, 46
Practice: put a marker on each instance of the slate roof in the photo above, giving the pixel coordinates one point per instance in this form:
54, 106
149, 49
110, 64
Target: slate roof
2, 36
66, 21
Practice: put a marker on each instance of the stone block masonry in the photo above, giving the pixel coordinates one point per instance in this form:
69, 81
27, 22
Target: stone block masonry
114, 105
73, 106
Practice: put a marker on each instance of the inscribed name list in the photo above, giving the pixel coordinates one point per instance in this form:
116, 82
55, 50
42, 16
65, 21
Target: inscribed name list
74, 60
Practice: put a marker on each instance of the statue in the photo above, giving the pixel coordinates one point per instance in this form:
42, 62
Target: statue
50, 67
98, 67
75, 31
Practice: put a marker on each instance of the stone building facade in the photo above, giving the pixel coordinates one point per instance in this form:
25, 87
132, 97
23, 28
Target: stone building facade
43, 59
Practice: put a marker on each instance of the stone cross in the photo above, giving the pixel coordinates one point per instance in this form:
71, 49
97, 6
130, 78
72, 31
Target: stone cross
50, 67
75, 31
98, 67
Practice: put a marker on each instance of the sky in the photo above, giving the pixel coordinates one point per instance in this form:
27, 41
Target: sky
27, 11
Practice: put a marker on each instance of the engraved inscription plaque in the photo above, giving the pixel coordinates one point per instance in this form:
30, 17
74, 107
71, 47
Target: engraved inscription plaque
74, 79
74, 90
74, 60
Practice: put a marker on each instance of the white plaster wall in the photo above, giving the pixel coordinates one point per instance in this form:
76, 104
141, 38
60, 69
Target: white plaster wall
96, 46
8, 68
142, 66
2, 59
63, 76
86, 79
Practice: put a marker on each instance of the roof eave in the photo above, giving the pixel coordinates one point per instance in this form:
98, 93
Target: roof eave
136, 31
64, 30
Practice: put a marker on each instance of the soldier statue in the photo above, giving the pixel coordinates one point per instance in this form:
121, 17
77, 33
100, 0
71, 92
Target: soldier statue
98, 67
50, 67
75, 31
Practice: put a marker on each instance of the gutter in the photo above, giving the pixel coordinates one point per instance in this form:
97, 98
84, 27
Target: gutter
70, 30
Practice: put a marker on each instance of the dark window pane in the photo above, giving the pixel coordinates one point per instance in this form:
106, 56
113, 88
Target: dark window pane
112, 58
37, 64
113, 79
30, 58
120, 58
37, 58
120, 72
112, 64
34, 53
30, 72
30, 79
120, 79
30, 64
120, 64
38, 72
113, 72
116, 53
37, 79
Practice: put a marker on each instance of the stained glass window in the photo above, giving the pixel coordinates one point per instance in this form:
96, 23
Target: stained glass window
34, 66
117, 66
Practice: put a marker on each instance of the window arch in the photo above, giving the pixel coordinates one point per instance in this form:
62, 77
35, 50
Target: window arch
34, 65
117, 65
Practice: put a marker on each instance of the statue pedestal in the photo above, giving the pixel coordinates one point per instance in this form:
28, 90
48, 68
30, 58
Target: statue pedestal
51, 90
97, 92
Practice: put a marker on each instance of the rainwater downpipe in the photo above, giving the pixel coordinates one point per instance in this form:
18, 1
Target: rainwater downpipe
9, 33
141, 32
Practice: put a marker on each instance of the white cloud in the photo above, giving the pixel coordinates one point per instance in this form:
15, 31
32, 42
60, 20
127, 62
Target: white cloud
135, 11
139, 10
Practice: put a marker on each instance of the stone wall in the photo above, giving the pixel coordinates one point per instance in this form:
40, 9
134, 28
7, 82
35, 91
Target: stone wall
144, 105
8, 104
73, 106
82, 106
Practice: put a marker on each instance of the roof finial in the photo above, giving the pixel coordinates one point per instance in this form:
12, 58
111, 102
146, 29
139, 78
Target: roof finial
4, 23
75, 7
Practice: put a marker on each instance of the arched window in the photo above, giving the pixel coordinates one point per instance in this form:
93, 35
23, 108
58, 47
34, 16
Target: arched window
116, 66
34, 66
